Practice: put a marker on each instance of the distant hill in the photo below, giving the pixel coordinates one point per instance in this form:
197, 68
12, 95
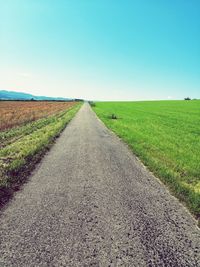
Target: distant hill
11, 95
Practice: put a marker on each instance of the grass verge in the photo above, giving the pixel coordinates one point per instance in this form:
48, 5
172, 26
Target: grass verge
23, 147
165, 136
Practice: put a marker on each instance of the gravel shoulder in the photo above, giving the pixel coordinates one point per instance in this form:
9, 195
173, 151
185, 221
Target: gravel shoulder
90, 202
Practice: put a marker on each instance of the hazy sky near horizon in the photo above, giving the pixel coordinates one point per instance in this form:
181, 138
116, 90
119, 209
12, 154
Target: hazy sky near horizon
101, 49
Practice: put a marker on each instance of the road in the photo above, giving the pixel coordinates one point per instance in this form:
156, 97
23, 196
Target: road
90, 202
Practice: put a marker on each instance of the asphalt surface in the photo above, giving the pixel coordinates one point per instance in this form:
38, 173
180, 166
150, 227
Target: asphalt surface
90, 202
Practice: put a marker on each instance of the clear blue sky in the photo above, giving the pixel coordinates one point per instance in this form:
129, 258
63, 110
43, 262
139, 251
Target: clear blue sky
101, 49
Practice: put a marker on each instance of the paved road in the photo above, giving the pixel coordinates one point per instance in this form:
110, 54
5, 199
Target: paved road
90, 202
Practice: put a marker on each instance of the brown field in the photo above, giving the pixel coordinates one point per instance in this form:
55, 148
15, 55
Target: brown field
15, 113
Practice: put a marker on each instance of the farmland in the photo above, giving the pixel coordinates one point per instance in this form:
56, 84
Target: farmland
14, 113
165, 135
38, 123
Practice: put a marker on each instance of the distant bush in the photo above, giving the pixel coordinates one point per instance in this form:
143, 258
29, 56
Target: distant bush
187, 98
78, 100
92, 104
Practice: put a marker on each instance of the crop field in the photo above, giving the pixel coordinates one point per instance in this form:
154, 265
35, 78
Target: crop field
165, 135
14, 113
22, 146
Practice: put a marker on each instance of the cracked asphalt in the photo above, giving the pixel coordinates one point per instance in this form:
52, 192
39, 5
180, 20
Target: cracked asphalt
90, 202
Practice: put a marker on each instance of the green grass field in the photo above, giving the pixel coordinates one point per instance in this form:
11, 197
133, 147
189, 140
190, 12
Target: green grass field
165, 135
22, 146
